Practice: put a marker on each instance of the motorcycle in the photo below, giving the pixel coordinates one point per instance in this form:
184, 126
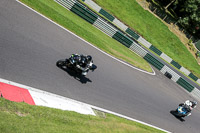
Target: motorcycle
182, 111
66, 64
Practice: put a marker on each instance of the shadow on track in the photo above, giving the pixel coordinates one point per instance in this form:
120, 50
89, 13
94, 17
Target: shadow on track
173, 112
76, 76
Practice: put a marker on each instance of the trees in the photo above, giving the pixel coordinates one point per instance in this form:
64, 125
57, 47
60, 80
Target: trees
189, 13
169, 4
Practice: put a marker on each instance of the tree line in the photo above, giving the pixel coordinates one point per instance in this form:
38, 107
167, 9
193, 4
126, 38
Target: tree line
187, 13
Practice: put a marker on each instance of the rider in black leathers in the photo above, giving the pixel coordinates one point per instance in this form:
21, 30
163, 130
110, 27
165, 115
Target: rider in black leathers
81, 62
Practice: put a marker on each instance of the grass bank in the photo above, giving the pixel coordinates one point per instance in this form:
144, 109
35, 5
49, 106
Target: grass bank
24, 118
152, 29
85, 30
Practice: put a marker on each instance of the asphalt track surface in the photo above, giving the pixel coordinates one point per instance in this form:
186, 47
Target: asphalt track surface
30, 45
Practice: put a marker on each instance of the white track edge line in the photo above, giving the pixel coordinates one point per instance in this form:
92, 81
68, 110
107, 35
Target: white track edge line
153, 73
65, 98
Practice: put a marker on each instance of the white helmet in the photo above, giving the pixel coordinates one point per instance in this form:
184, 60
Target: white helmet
188, 103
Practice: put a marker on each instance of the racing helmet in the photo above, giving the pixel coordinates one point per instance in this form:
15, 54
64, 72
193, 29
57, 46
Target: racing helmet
89, 58
188, 103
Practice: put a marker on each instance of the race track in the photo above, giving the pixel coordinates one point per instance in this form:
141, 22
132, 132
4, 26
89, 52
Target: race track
30, 45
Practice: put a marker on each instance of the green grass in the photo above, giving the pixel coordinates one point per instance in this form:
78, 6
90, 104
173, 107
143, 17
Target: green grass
152, 29
24, 118
85, 30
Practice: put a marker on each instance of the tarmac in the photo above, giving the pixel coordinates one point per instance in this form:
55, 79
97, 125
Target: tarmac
21, 93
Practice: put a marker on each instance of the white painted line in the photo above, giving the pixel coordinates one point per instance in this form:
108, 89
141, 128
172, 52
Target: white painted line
53, 101
110, 112
86, 41
42, 98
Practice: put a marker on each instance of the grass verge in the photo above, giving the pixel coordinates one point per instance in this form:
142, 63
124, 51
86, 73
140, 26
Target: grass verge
24, 118
86, 31
152, 29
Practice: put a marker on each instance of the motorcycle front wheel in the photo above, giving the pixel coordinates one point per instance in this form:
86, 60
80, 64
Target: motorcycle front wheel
60, 63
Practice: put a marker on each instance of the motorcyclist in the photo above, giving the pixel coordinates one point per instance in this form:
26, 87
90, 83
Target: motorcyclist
191, 104
194, 104
82, 62
89, 61
188, 105
74, 59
